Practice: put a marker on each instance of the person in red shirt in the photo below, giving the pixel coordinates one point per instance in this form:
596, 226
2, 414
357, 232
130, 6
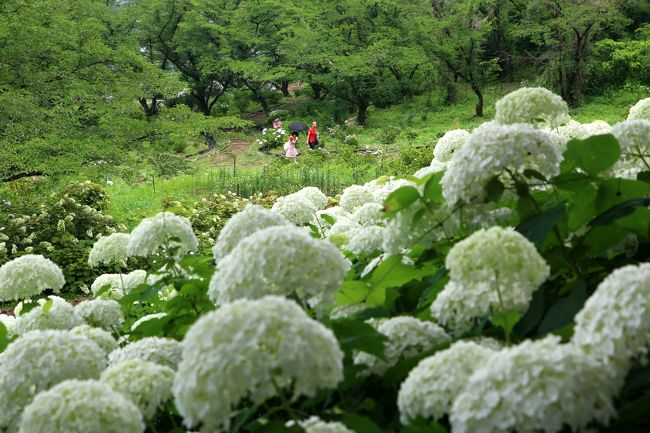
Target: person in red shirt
312, 136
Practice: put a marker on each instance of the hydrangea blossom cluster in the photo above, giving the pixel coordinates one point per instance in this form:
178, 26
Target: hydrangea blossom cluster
532, 387
315, 196
640, 110
448, 144
240, 352
614, 324
102, 338
572, 129
119, 284
356, 196
407, 337
496, 269
295, 208
38, 360
335, 212
163, 231
81, 406
146, 384
242, 225
343, 226
101, 313
162, 351
432, 386
265, 263
383, 186
52, 313
534, 105
369, 214
316, 425
494, 148
28, 276
365, 240
108, 250
634, 138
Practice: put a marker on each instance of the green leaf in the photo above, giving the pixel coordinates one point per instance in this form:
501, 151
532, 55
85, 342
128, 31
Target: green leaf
565, 309
494, 190
360, 424
329, 219
436, 285
392, 272
47, 306
538, 227
533, 315
352, 292
424, 427
433, 189
619, 211
594, 154
4, 337
357, 335
401, 198
505, 321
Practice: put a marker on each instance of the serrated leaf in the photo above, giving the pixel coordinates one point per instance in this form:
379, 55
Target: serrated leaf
594, 154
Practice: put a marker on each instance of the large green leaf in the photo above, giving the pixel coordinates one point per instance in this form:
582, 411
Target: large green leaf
565, 309
352, 292
433, 189
355, 335
594, 154
538, 227
400, 199
494, 190
4, 337
360, 424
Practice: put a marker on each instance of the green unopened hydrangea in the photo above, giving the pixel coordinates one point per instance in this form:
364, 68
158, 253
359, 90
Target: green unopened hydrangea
109, 250
640, 110
432, 386
540, 386
449, 144
614, 324
81, 406
146, 384
492, 270
407, 337
243, 224
52, 313
101, 313
241, 352
163, 231
102, 338
295, 208
162, 351
315, 196
355, 196
534, 105
369, 214
365, 240
491, 150
280, 260
28, 276
314, 424
38, 360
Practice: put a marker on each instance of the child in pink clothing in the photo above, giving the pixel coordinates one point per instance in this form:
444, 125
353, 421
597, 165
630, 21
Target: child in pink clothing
292, 152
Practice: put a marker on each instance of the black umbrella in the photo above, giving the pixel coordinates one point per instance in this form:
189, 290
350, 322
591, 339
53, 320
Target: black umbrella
297, 126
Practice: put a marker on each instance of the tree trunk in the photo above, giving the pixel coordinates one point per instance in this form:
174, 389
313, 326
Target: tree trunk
149, 110
362, 111
317, 89
479, 95
201, 103
284, 88
210, 140
451, 93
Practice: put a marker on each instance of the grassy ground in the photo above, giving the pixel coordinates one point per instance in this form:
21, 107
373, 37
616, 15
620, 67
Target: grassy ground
414, 124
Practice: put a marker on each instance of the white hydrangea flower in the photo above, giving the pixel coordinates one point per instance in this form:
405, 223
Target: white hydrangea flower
432, 386
9, 322
365, 240
296, 208
120, 284
492, 149
370, 214
109, 249
336, 213
640, 110
146, 318
165, 230
314, 195
356, 196
573, 129
101, 313
133, 279
59, 315
540, 386
597, 127
343, 226
243, 224
435, 167
240, 352
28, 276
280, 260
634, 138
492, 270
102, 338
614, 324
81, 406
162, 351
407, 337
383, 186
535, 105
146, 384
448, 144
314, 424
38, 360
